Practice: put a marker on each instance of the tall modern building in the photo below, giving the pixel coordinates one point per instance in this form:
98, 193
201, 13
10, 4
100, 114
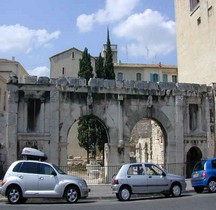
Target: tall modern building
196, 40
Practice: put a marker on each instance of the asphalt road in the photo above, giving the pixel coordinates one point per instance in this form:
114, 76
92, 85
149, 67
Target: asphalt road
189, 201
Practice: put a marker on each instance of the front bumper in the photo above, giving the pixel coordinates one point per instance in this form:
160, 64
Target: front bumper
85, 192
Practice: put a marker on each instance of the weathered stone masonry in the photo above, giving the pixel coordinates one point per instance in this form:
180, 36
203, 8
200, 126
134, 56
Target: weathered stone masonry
41, 113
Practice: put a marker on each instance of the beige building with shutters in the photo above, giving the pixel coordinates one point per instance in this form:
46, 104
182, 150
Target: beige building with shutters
66, 64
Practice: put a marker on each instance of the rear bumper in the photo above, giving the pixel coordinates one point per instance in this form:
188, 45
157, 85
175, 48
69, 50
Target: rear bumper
198, 183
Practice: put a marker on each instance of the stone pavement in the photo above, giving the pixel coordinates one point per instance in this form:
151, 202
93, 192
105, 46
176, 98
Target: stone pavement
103, 191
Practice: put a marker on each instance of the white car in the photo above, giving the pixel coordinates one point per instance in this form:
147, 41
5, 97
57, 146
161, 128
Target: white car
146, 178
37, 179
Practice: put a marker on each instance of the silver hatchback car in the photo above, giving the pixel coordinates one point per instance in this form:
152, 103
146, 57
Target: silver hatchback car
146, 178
37, 179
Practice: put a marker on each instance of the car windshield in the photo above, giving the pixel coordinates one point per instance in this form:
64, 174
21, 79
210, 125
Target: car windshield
199, 166
58, 169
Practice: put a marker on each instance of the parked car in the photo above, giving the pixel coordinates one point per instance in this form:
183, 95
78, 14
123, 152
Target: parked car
204, 176
38, 179
146, 178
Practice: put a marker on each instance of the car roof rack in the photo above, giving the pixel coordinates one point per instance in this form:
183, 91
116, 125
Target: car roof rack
33, 154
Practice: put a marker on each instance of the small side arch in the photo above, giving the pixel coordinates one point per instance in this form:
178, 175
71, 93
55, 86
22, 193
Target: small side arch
193, 156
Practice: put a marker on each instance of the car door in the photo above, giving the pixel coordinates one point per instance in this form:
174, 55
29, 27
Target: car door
47, 180
28, 177
156, 180
136, 178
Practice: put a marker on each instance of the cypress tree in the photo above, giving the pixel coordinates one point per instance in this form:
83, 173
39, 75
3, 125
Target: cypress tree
99, 67
108, 65
85, 66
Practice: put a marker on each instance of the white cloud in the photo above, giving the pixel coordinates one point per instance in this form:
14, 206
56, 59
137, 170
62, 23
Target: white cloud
22, 39
41, 71
114, 10
149, 34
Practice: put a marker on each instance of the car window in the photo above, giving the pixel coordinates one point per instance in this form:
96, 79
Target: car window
153, 170
17, 167
199, 166
213, 163
28, 167
45, 169
58, 169
136, 170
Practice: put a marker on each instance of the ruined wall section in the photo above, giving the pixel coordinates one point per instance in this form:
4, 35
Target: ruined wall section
62, 101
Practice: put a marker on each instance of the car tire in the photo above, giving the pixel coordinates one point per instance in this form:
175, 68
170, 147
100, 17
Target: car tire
198, 189
175, 190
124, 193
14, 195
117, 196
71, 194
212, 186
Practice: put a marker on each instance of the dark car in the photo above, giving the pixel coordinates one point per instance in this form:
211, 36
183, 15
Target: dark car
204, 176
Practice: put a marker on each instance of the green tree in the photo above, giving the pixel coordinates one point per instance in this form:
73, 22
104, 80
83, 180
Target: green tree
99, 67
108, 65
85, 66
91, 135
85, 134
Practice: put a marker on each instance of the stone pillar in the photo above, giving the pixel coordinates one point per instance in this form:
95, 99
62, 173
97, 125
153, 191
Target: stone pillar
179, 132
210, 141
121, 143
42, 116
54, 154
11, 128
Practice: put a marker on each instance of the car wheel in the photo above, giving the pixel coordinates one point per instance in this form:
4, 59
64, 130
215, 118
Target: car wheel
124, 193
198, 189
71, 194
175, 190
14, 195
212, 186
117, 196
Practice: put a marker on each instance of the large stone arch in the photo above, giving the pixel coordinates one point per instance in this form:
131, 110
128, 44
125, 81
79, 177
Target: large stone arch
64, 131
154, 114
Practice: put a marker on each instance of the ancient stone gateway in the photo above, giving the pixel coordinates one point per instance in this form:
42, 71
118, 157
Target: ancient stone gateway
42, 112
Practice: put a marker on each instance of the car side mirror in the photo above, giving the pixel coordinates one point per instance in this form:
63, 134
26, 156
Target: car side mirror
54, 173
163, 174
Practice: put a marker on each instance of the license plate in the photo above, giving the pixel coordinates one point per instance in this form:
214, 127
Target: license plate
196, 175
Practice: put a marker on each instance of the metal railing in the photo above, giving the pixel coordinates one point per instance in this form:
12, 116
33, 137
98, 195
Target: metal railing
96, 174
103, 175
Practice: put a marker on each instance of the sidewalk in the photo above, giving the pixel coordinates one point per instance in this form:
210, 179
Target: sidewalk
103, 191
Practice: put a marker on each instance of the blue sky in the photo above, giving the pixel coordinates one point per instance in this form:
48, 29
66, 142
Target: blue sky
34, 30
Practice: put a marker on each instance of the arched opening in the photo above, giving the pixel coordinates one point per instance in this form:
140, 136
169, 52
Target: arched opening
80, 153
193, 156
147, 143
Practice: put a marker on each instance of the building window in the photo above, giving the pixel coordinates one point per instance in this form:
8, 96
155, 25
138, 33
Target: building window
120, 76
165, 78
199, 21
34, 106
174, 78
5, 99
154, 77
193, 116
193, 4
138, 77
73, 55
